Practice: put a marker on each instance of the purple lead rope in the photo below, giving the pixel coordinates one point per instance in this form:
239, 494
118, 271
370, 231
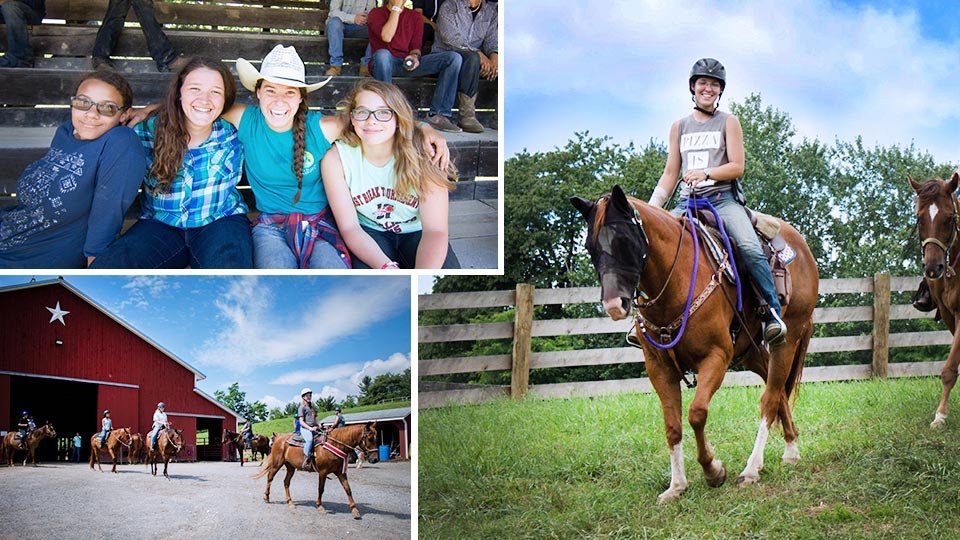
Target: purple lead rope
694, 203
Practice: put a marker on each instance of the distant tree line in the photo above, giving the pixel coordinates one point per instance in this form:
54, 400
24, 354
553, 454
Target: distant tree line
851, 202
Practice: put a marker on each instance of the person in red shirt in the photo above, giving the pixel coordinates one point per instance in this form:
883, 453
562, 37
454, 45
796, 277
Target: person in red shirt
396, 36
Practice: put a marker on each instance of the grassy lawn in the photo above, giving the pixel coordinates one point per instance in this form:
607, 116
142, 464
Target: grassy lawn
285, 425
592, 468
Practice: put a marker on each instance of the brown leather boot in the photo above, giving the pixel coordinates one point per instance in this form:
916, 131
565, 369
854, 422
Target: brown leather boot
468, 113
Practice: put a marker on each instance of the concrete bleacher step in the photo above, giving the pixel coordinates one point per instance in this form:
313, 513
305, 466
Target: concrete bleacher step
473, 233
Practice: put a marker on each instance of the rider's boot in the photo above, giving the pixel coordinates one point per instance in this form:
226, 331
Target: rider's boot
774, 329
633, 339
922, 299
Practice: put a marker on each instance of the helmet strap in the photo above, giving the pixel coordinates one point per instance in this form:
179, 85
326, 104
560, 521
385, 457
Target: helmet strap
696, 107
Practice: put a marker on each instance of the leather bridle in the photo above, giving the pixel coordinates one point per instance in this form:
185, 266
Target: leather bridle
948, 247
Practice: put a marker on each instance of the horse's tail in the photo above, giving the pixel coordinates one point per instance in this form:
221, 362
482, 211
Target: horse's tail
792, 386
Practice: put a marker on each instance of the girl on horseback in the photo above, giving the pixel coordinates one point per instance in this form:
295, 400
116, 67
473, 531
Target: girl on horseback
106, 424
706, 153
24, 427
308, 426
159, 422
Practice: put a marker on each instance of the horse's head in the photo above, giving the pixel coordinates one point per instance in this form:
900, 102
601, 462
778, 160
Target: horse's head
48, 430
938, 221
125, 436
618, 247
368, 442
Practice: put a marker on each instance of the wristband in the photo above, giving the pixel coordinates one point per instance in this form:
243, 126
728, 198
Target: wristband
390, 265
398, 9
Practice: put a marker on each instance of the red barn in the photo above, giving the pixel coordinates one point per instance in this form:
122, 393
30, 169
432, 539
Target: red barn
65, 358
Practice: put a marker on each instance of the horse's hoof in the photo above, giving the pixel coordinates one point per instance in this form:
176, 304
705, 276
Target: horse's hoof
938, 422
321, 509
718, 479
669, 495
746, 480
356, 514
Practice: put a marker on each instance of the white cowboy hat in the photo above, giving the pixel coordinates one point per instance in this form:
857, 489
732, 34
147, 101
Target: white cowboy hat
282, 65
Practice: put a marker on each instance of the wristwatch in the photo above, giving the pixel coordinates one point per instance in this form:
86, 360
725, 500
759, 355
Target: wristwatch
706, 172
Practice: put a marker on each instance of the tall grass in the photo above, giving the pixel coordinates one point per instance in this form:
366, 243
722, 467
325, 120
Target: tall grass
592, 468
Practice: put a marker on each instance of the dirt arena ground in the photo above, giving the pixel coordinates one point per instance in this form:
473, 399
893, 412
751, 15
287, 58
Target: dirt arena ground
200, 500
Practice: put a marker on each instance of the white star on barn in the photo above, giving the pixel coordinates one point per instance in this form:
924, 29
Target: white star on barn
57, 314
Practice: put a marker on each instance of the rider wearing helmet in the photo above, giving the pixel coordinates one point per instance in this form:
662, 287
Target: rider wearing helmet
23, 425
159, 422
706, 153
106, 424
338, 421
247, 432
308, 426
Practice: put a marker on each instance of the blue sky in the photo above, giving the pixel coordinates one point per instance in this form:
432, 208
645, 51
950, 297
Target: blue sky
272, 334
885, 70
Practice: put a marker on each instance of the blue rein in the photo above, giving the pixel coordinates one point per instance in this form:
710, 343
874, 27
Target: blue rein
694, 203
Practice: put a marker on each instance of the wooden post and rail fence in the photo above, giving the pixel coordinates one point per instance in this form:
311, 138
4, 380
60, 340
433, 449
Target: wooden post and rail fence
525, 298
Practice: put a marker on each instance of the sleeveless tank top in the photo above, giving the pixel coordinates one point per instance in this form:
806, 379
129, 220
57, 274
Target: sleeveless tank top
704, 145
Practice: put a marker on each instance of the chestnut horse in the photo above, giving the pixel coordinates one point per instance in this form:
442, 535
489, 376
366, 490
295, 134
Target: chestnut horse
136, 448
638, 247
343, 440
938, 222
11, 443
169, 444
115, 438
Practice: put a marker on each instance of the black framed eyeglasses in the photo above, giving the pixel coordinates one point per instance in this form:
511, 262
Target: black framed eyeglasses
381, 115
106, 108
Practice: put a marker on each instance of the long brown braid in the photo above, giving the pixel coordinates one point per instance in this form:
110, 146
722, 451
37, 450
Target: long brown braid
299, 142
170, 132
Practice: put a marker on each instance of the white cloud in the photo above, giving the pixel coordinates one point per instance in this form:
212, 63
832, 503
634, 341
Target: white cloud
140, 289
258, 332
272, 402
839, 71
344, 379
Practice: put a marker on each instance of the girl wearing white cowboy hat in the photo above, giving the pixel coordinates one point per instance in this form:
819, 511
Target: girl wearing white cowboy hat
390, 202
284, 143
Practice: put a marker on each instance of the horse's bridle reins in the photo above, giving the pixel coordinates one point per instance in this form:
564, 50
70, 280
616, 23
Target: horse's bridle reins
949, 245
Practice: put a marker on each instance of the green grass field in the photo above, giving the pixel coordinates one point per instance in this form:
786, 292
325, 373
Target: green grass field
592, 468
285, 425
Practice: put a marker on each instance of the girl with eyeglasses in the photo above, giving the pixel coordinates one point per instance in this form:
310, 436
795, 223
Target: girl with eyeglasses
71, 202
390, 201
191, 211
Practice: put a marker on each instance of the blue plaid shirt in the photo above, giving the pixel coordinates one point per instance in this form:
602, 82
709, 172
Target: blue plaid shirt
205, 188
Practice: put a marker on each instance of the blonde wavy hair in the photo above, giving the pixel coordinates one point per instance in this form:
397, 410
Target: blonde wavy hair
413, 168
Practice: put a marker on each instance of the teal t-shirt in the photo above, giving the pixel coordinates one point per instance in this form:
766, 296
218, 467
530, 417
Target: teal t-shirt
269, 164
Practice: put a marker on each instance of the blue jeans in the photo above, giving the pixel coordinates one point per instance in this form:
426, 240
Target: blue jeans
741, 232
153, 438
336, 30
307, 442
469, 80
16, 16
161, 50
402, 248
446, 65
103, 436
270, 250
76, 454
225, 243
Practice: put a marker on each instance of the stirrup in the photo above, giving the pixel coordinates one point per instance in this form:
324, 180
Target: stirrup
632, 338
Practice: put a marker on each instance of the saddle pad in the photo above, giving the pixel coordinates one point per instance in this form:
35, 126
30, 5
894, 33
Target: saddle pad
296, 440
714, 247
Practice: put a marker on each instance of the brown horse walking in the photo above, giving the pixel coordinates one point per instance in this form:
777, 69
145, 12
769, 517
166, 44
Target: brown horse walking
236, 442
11, 443
116, 437
343, 440
136, 449
261, 445
169, 444
638, 247
938, 222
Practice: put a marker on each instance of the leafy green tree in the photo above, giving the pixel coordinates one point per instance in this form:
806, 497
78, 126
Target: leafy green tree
326, 404
235, 399
387, 387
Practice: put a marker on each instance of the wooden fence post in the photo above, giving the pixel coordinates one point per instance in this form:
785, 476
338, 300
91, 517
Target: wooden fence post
881, 324
522, 325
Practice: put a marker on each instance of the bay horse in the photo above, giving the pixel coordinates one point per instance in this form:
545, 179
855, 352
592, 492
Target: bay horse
236, 442
260, 445
342, 440
169, 444
11, 444
638, 247
938, 223
116, 437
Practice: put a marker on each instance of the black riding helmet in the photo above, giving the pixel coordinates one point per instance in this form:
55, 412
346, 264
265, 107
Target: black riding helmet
708, 67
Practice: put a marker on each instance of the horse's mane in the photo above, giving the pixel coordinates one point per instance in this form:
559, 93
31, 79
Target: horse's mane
348, 429
929, 191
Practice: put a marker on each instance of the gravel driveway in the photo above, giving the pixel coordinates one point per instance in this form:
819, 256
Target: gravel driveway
207, 500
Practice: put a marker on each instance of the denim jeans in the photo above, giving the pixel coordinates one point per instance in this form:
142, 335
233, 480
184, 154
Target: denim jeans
225, 243
336, 30
402, 248
446, 65
161, 50
469, 81
741, 232
307, 441
103, 436
16, 16
270, 250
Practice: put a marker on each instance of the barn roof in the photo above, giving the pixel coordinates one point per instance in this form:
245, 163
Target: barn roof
60, 281
370, 416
